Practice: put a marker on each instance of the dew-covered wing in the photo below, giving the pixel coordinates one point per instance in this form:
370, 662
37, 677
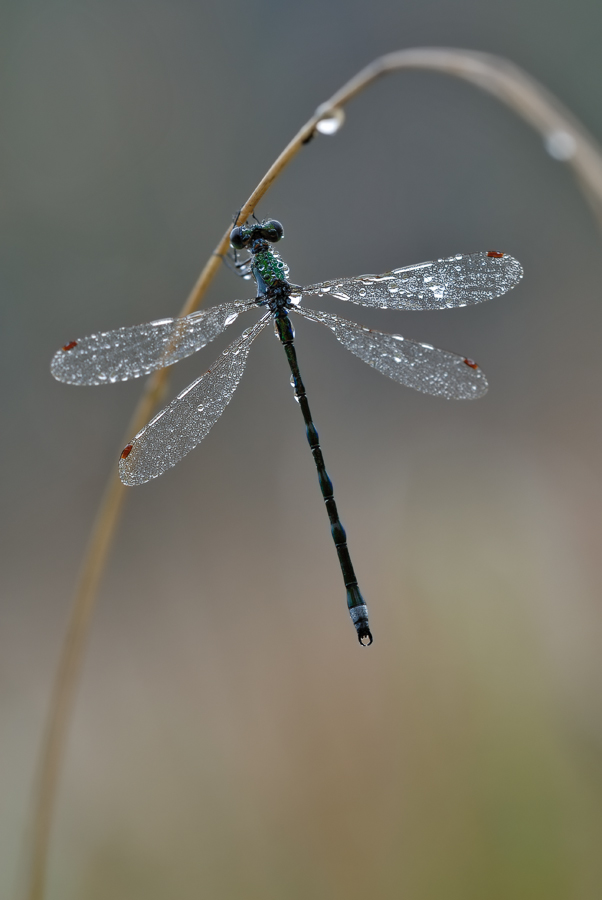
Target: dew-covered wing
140, 349
419, 366
178, 428
442, 284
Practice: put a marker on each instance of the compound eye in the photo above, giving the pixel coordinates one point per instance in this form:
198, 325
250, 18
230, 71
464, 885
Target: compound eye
272, 230
237, 238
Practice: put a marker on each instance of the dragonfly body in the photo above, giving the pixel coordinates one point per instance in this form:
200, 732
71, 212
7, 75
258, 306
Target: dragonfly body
130, 352
274, 291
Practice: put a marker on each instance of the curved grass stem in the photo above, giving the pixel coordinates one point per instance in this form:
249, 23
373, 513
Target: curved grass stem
532, 102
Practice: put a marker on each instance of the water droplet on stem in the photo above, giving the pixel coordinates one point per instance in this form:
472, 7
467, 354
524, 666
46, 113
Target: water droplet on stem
330, 120
560, 145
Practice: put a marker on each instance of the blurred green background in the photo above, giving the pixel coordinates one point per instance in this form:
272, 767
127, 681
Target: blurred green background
231, 740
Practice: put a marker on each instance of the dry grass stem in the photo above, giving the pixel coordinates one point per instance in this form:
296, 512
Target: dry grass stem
565, 138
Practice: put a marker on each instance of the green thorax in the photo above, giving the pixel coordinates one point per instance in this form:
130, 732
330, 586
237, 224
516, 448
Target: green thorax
269, 268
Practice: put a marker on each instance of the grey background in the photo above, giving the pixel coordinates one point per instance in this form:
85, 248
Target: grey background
230, 738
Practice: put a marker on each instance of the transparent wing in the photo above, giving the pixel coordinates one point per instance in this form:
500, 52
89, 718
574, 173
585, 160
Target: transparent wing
138, 350
416, 365
444, 283
178, 428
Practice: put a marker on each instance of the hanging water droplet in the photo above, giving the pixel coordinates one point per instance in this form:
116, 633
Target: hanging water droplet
231, 318
560, 145
330, 120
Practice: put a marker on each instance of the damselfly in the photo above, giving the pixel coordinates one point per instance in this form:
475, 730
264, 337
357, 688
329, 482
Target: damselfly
130, 352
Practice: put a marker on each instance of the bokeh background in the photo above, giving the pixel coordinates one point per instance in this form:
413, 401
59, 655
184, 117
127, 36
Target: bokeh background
231, 740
